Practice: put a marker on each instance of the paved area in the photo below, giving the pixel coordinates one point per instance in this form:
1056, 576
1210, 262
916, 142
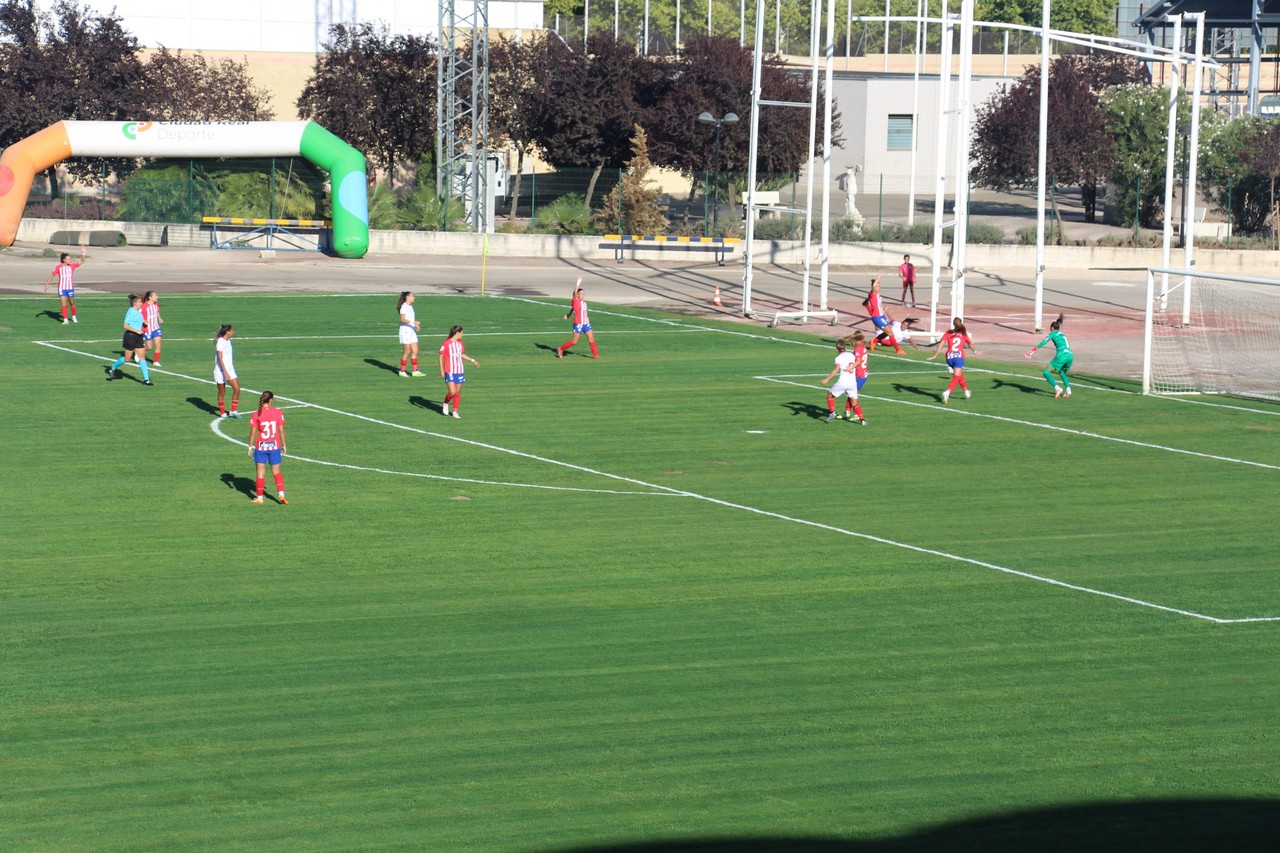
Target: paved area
1103, 308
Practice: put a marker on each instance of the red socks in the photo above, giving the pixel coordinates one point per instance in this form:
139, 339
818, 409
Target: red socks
595, 353
857, 410
564, 347
955, 380
402, 364
415, 364
259, 484
279, 483
831, 403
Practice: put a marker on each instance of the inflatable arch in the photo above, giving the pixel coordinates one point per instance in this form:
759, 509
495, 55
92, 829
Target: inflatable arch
21, 161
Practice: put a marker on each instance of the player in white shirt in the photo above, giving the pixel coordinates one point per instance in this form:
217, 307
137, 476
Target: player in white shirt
224, 371
900, 331
409, 328
847, 368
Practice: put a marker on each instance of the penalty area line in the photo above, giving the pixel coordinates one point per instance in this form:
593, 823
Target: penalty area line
1051, 427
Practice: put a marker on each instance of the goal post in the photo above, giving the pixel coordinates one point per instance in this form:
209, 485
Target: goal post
1211, 333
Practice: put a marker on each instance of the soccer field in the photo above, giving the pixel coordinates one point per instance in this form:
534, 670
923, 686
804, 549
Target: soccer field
622, 604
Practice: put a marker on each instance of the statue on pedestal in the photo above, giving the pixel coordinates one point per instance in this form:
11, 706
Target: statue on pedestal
849, 183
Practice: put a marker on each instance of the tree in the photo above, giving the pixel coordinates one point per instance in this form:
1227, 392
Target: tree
1137, 119
585, 106
714, 75
376, 91
514, 79
1079, 147
1226, 176
632, 205
68, 65
1077, 16
187, 87
1262, 157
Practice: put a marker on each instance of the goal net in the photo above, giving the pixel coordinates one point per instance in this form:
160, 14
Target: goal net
1207, 333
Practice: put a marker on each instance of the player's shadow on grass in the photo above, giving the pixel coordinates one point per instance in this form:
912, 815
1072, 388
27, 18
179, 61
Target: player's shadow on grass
1017, 386
373, 362
52, 315
203, 405
902, 388
243, 485
424, 403
808, 409
549, 348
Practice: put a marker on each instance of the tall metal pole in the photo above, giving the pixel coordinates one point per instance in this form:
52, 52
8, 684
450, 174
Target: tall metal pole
1042, 163
824, 276
715, 185
815, 15
915, 109
940, 166
753, 151
1171, 141
960, 243
1189, 188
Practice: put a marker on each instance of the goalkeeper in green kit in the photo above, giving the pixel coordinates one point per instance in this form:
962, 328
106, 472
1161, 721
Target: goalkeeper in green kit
1062, 359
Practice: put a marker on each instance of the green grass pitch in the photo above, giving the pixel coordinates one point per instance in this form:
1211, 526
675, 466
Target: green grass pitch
643, 600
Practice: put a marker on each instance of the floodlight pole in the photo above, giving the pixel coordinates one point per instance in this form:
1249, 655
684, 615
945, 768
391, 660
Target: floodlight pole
708, 118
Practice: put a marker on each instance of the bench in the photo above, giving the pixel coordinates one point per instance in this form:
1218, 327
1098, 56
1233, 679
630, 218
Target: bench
620, 243
272, 230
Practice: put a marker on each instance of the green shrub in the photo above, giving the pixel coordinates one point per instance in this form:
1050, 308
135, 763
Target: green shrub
256, 194
779, 228
986, 234
426, 210
384, 208
168, 194
568, 214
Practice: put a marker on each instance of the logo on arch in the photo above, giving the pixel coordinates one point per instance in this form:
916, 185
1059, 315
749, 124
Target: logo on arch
131, 129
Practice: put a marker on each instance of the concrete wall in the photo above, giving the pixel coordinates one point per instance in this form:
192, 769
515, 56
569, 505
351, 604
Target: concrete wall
1263, 264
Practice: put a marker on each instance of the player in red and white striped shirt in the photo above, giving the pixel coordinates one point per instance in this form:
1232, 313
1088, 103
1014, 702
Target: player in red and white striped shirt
151, 323
581, 322
452, 355
64, 272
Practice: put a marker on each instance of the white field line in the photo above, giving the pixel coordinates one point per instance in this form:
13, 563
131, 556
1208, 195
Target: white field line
669, 491
216, 426
1051, 427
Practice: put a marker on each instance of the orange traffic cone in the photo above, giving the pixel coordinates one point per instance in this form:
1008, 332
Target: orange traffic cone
715, 300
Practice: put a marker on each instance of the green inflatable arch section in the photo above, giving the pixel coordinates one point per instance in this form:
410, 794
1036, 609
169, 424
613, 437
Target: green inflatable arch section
348, 181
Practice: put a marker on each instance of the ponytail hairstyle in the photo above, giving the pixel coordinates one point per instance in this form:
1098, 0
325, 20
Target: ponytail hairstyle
453, 330
135, 297
910, 321
404, 294
264, 400
841, 345
146, 297
223, 329
957, 325
1056, 324
858, 338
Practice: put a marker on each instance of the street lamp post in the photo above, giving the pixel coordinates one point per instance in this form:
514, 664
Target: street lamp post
708, 118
